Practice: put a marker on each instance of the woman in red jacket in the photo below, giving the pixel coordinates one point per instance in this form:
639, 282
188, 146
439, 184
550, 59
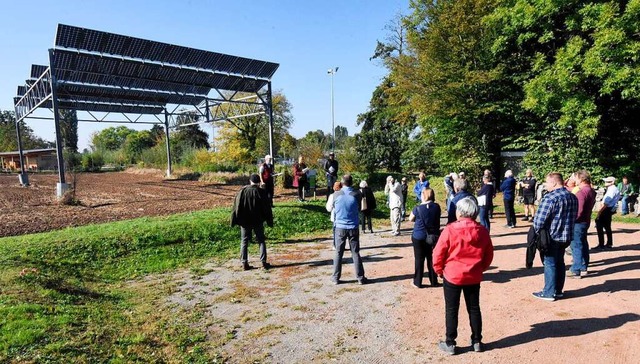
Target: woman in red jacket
463, 252
300, 177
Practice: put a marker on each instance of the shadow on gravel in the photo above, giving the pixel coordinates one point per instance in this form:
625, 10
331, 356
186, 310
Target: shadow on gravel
564, 328
619, 268
391, 278
392, 245
345, 260
610, 261
513, 233
614, 285
504, 276
510, 246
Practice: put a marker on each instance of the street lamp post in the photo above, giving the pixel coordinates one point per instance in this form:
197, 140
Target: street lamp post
332, 71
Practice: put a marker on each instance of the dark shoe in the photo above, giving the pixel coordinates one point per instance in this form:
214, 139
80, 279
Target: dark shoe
449, 349
559, 295
363, 280
246, 266
335, 281
436, 285
371, 231
574, 275
597, 248
477, 347
266, 265
543, 297
608, 246
416, 285
526, 218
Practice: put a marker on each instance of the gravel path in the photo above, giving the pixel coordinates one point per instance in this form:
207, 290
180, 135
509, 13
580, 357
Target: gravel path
293, 314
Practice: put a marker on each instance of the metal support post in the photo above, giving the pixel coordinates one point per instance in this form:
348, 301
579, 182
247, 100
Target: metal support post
62, 186
332, 72
270, 115
207, 114
23, 177
166, 132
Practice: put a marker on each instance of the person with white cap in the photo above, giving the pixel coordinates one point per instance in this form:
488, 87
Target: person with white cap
609, 206
266, 173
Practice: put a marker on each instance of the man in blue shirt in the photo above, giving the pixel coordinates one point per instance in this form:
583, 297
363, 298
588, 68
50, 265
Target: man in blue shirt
609, 207
346, 204
461, 187
557, 214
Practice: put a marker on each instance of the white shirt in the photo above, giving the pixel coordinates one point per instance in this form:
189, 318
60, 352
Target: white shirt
612, 197
395, 195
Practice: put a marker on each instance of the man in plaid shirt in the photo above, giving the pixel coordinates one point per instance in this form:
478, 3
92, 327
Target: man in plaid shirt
556, 213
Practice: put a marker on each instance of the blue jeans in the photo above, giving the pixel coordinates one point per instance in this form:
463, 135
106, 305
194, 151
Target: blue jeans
554, 270
580, 248
484, 217
625, 205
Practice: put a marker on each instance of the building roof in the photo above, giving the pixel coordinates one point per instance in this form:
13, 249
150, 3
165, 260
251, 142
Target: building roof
29, 151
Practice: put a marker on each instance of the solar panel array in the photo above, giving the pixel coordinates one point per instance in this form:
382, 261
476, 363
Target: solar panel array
100, 71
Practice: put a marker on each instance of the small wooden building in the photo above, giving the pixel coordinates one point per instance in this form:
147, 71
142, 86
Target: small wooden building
34, 160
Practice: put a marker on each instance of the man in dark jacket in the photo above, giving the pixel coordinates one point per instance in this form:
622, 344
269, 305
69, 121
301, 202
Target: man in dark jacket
508, 188
331, 170
461, 187
251, 209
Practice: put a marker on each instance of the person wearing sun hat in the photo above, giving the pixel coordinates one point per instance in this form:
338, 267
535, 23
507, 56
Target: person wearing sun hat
609, 206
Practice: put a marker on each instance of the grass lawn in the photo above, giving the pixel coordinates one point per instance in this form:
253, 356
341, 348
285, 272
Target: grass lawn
79, 294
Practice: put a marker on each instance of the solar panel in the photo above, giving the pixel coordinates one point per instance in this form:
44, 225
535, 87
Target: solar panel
184, 80
37, 70
102, 42
110, 94
98, 107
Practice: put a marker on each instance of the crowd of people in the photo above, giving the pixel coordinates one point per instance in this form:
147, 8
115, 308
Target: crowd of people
462, 250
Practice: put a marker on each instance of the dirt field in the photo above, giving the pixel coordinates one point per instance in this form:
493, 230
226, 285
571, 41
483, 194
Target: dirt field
104, 197
293, 314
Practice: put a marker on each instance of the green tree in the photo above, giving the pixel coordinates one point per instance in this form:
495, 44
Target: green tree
111, 138
69, 130
577, 66
448, 78
136, 143
383, 137
190, 135
9, 139
253, 131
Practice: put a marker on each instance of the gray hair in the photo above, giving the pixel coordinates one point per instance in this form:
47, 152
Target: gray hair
460, 184
508, 173
363, 184
467, 207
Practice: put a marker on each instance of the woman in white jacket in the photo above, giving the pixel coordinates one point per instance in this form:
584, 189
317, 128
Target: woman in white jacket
393, 189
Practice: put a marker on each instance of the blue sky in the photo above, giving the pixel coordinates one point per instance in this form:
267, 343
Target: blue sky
305, 37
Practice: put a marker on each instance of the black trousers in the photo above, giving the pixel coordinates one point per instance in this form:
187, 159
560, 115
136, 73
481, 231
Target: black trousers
452, 306
366, 220
269, 187
301, 190
603, 224
422, 250
510, 212
532, 248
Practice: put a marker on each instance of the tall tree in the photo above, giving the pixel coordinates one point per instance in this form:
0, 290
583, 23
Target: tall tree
69, 130
190, 135
253, 131
448, 77
111, 138
383, 137
8, 137
578, 68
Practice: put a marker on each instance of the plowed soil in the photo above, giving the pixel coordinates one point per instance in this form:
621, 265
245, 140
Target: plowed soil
102, 197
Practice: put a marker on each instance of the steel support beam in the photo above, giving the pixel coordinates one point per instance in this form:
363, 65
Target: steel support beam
166, 132
23, 177
62, 185
269, 108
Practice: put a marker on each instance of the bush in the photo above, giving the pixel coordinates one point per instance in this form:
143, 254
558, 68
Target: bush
92, 161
